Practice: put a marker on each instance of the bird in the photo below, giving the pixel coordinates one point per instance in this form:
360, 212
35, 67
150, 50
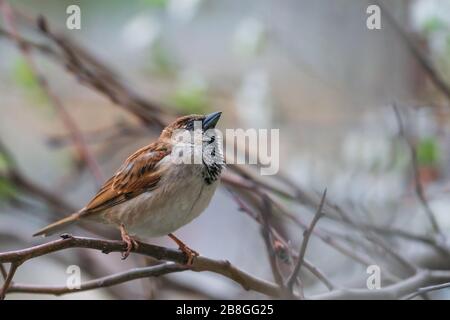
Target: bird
154, 193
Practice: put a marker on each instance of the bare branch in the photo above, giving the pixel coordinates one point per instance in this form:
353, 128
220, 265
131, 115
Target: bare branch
3, 271
266, 213
307, 233
406, 235
421, 58
320, 275
9, 277
284, 245
375, 239
418, 185
104, 282
424, 290
394, 291
224, 268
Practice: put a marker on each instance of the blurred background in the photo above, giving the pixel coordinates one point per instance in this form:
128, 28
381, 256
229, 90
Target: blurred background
309, 68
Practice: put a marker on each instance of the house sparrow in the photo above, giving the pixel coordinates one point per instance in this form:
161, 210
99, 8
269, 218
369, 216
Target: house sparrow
153, 194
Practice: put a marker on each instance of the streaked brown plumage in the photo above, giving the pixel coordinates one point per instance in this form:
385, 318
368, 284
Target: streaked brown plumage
150, 195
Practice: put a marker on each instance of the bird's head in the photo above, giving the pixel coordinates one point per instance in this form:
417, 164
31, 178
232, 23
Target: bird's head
190, 123
194, 140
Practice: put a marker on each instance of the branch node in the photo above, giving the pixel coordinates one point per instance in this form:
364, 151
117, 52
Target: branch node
66, 236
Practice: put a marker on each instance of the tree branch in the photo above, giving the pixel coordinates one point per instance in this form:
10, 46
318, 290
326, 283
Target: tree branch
266, 213
224, 268
420, 57
9, 277
394, 291
424, 290
417, 183
307, 233
104, 282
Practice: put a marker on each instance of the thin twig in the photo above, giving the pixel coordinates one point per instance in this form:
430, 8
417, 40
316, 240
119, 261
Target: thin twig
103, 282
319, 275
428, 289
421, 58
417, 183
283, 242
420, 192
266, 213
393, 291
14, 175
3, 271
377, 241
406, 235
9, 278
324, 236
307, 233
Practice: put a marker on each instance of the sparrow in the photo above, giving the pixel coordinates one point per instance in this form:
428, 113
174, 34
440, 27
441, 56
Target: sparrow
154, 193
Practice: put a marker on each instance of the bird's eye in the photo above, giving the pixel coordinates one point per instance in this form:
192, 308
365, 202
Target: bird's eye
189, 125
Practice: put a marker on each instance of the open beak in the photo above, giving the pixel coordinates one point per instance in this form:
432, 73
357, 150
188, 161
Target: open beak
211, 120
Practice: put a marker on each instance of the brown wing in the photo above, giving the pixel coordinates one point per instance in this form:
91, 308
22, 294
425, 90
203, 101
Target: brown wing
139, 173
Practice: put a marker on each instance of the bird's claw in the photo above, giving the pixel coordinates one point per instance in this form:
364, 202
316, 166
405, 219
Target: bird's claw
190, 253
132, 244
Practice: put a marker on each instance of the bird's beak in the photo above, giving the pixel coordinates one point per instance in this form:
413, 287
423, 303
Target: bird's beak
211, 120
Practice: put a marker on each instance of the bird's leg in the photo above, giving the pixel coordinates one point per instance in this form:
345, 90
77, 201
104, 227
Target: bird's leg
186, 250
131, 243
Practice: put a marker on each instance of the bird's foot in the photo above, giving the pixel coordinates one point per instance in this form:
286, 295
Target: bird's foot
130, 242
190, 253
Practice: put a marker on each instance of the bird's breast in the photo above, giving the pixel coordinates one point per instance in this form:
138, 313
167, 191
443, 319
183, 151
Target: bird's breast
181, 196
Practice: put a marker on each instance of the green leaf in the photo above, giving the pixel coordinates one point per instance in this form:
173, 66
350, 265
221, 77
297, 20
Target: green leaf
428, 152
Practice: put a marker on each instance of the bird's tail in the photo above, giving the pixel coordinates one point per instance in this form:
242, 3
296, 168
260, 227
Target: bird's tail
58, 225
